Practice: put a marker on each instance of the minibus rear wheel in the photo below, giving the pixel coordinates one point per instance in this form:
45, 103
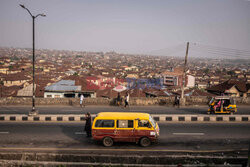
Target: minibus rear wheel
145, 142
107, 141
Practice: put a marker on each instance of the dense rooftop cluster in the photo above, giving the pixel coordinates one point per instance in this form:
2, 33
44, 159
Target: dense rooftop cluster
55, 65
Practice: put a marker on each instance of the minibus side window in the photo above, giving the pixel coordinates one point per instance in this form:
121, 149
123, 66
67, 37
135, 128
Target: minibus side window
104, 123
125, 123
144, 123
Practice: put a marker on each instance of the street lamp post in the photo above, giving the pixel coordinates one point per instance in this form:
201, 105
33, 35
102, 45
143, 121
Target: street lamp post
33, 110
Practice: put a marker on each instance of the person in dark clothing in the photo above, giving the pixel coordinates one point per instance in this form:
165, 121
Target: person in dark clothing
118, 99
88, 124
177, 101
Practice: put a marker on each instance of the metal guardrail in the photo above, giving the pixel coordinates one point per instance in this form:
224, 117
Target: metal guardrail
159, 118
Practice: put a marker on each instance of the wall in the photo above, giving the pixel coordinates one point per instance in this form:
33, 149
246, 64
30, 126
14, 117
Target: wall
105, 101
53, 94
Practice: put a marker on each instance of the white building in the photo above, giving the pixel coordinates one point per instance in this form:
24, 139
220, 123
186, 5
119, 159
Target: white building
62, 89
191, 81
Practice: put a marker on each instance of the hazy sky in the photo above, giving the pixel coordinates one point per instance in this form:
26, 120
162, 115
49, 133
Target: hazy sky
127, 26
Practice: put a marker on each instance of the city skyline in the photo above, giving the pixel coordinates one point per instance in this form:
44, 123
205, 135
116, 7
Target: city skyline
141, 27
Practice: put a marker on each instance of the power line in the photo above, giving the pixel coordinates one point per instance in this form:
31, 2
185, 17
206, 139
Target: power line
204, 49
222, 51
223, 54
234, 53
220, 48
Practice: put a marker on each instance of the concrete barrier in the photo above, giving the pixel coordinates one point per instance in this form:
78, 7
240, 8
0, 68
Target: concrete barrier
157, 117
134, 101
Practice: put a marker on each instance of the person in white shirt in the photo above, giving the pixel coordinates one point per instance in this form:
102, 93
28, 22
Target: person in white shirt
126, 100
81, 100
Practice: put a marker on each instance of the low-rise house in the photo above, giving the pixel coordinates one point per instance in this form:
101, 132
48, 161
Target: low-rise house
132, 68
155, 93
70, 72
15, 79
201, 85
26, 91
84, 70
9, 91
107, 93
214, 82
132, 75
62, 89
4, 69
197, 92
88, 89
136, 93
41, 81
231, 87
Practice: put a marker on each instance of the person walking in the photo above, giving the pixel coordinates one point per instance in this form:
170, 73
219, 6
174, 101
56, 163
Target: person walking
126, 100
88, 124
177, 101
81, 101
118, 100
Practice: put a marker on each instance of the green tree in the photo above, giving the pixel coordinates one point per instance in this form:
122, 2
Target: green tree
232, 73
206, 71
10, 67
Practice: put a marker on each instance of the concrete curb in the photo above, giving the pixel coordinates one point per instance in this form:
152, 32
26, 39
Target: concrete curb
202, 118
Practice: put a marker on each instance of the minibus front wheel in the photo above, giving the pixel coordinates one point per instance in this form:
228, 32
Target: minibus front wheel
107, 141
145, 142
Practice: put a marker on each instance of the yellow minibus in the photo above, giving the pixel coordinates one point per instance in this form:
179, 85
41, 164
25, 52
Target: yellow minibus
110, 127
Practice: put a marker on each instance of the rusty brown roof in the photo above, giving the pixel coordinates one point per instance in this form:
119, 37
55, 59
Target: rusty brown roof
240, 85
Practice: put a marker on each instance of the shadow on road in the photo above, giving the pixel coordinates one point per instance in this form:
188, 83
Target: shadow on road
77, 136
185, 110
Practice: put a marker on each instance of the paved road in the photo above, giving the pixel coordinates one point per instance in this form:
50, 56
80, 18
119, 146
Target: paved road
173, 137
243, 110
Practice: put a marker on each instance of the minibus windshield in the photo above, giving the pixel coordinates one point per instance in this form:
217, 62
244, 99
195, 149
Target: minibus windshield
152, 121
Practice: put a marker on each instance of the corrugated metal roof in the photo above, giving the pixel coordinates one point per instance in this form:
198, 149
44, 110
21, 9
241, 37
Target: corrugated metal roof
63, 85
65, 82
27, 91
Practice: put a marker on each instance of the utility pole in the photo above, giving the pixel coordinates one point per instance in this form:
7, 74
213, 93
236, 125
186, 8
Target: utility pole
183, 100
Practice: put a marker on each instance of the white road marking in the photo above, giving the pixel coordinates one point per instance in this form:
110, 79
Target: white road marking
4, 132
190, 134
71, 110
139, 110
80, 133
